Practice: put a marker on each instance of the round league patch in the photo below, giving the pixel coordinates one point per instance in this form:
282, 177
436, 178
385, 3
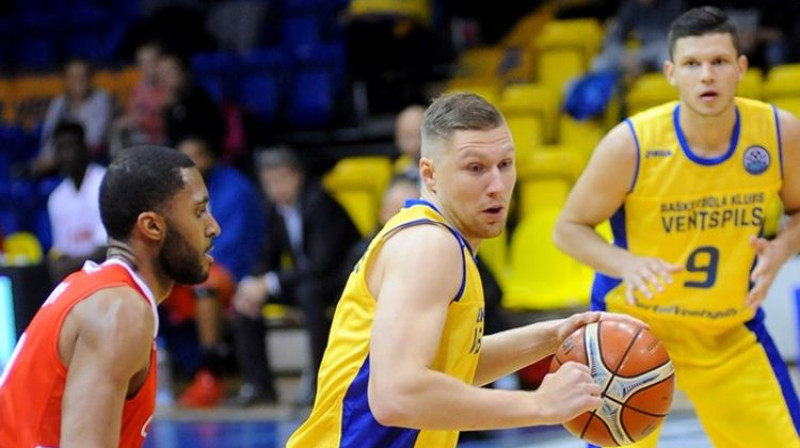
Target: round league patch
756, 160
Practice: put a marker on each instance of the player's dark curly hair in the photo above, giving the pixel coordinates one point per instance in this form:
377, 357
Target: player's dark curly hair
144, 178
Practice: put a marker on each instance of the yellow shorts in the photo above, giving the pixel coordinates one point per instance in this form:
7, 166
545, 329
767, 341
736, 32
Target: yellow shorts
738, 383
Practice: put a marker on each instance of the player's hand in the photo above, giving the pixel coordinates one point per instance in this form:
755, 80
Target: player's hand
251, 293
569, 392
770, 256
567, 326
645, 274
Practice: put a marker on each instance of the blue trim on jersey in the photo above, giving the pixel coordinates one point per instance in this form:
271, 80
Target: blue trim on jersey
638, 154
458, 237
419, 201
756, 325
359, 427
603, 284
688, 150
780, 142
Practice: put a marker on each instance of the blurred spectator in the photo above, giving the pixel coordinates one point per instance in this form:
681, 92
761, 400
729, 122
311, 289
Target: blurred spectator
82, 103
74, 209
408, 140
188, 110
238, 208
309, 226
646, 23
142, 122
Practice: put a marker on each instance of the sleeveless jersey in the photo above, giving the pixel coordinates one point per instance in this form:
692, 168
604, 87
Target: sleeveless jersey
341, 416
697, 212
32, 386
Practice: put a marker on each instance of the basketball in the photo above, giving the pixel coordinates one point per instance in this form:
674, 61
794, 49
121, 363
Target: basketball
636, 376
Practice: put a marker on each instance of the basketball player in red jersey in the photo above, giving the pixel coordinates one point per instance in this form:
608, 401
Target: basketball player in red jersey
83, 373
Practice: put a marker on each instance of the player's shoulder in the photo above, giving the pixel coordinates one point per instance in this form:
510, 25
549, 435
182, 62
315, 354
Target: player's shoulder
424, 237
118, 308
620, 142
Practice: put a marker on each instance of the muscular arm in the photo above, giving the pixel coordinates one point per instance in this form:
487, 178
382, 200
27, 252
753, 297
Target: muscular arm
414, 278
597, 194
105, 341
771, 255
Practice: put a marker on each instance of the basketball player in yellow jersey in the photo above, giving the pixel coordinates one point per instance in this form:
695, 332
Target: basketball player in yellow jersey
686, 186
406, 352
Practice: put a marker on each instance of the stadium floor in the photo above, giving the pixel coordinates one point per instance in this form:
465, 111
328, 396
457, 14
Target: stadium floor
271, 426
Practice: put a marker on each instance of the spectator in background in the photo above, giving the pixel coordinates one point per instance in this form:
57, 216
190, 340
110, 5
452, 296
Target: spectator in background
646, 22
238, 208
142, 122
73, 207
309, 226
82, 103
408, 140
188, 110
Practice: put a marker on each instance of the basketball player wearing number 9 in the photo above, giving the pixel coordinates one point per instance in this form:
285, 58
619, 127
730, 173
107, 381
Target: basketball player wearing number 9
686, 186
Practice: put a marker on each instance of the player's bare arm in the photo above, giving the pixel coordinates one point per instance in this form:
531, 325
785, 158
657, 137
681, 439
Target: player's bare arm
508, 351
105, 343
414, 283
773, 254
597, 194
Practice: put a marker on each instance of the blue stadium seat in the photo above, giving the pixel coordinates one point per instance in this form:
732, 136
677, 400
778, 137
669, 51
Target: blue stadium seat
36, 53
300, 30
216, 72
90, 46
311, 102
260, 95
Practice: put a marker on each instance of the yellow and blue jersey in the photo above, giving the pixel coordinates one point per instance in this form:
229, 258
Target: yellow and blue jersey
341, 416
697, 212
700, 213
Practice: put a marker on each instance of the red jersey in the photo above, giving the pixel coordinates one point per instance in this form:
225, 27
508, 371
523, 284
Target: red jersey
32, 386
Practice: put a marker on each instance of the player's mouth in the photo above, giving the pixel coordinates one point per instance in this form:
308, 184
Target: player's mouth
494, 212
708, 96
208, 254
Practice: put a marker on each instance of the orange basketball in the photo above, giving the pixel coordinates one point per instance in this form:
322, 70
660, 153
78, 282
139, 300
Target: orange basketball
636, 376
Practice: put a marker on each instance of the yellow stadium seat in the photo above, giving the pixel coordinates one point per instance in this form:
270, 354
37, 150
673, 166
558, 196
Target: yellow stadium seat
566, 49
22, 248
531, 111
557, 67
545, 178
480, 63
541, 276
419, 10
752, 86
647, 91
358, 184
32, 95
581, 135
782, 81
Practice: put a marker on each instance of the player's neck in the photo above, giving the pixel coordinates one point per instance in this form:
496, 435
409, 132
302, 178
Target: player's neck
156, 280
708, 135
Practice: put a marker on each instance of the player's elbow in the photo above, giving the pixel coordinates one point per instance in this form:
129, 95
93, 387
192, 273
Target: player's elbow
388, 407
560, 234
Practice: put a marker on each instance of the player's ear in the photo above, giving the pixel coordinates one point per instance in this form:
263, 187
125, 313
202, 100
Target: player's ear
151, 225
743, 64
427, 172
669, 72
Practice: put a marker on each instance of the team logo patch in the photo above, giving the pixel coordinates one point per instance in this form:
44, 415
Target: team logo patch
756, 160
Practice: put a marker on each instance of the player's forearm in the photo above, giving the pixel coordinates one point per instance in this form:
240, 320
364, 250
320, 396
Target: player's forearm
509, 351
436, 401
585, 245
